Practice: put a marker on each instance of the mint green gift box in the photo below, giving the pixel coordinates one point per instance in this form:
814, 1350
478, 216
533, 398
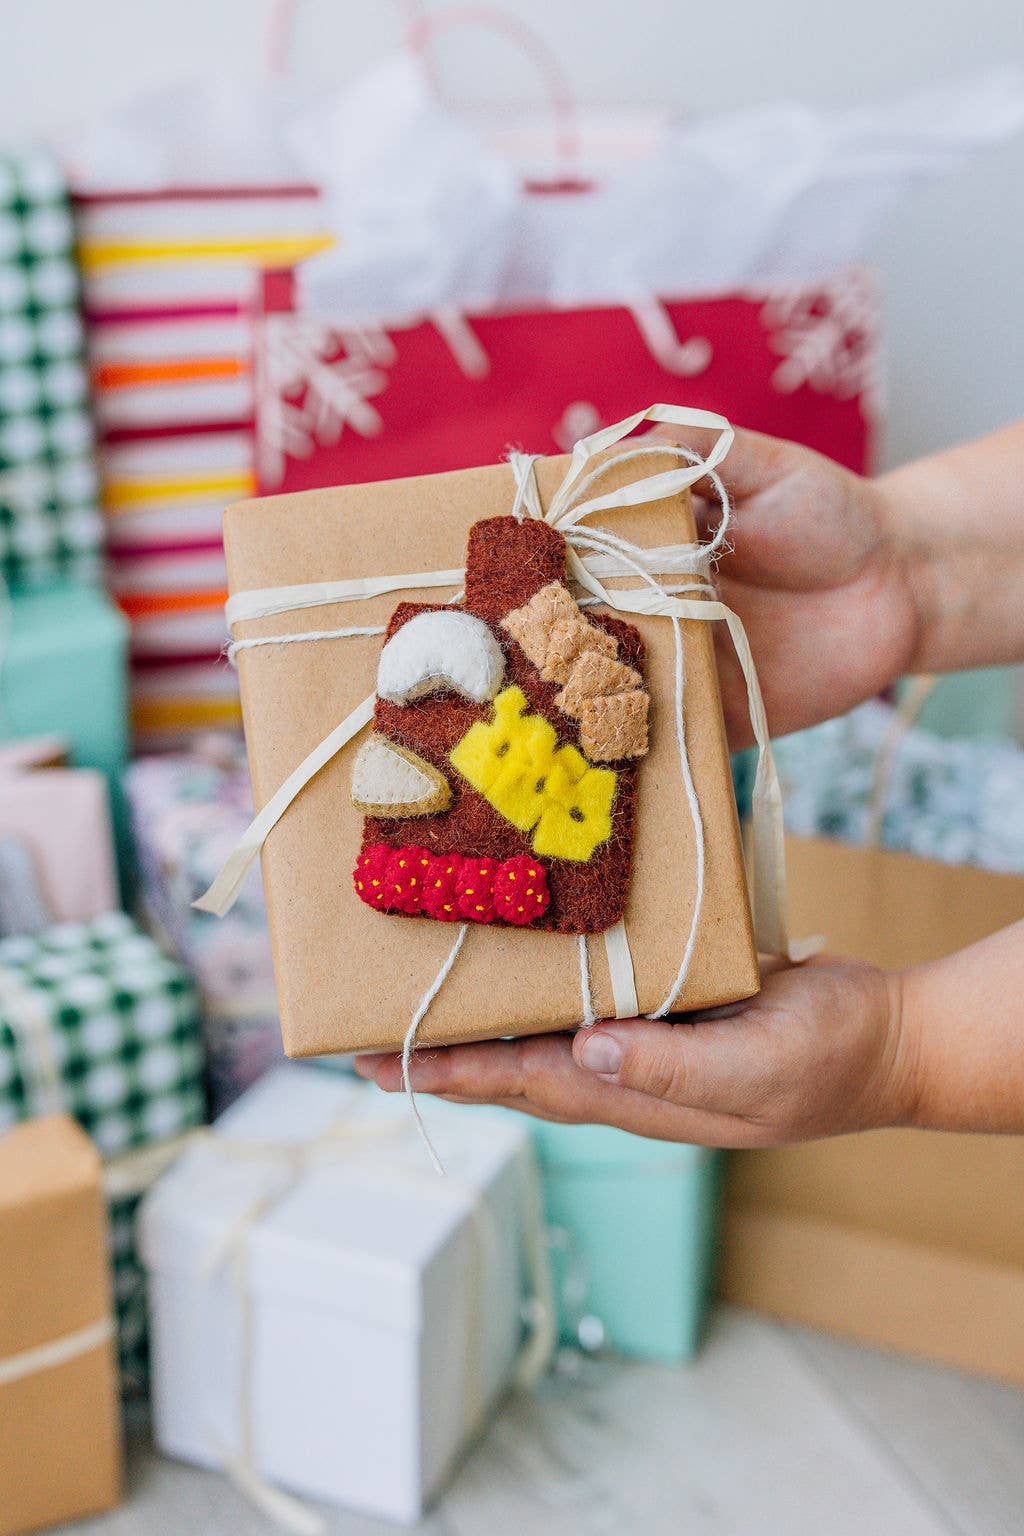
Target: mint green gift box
633, 1227
63, 661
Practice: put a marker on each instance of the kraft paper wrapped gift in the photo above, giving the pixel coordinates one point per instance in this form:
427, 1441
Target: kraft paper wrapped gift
95, 1020
350, 978
60, 1451
329, 1315
632, 1230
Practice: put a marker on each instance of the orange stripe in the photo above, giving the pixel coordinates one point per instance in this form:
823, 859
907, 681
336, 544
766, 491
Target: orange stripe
173, 371
183, 712
140, 605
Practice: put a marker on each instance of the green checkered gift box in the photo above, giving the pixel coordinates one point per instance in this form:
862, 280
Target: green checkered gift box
50, 522
95, 1019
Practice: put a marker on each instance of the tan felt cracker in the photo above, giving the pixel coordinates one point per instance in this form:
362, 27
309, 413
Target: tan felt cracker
390, 780
602, 693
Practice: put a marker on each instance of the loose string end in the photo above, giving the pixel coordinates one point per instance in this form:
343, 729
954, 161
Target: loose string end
409, 1045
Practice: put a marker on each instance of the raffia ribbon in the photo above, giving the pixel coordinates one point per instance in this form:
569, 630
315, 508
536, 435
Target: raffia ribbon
288, 1162
56, 1352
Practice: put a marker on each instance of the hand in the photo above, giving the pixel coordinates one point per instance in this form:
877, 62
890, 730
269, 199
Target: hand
819, 579
820, 1051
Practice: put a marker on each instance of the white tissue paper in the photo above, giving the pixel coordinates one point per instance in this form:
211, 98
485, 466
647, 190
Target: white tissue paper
433, 216
430, 214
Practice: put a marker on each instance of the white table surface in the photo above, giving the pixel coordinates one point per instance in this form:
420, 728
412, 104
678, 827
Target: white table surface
771, 1431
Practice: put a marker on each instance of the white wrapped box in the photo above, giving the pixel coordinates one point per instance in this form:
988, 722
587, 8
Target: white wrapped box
327, 1312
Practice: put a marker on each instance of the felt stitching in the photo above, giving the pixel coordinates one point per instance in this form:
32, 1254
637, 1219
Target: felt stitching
452, 887
507, 563
442, 649
570, 649
390, 780
516, 762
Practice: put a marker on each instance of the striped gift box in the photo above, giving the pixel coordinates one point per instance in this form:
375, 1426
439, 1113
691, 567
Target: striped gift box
171, 279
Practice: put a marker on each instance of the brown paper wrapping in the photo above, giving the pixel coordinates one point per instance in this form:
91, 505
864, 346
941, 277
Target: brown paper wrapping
349, 978
60, 1447
908, 1239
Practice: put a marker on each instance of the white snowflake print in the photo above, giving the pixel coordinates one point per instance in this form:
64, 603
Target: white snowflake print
313, 380
827, 334
579, 419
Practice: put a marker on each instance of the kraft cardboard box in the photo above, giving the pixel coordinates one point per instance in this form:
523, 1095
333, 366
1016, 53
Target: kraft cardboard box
909, 1239
350, 978
60, 1448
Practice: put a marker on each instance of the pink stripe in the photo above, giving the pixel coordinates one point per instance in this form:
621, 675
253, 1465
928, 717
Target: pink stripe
160, 661
158, 314
111, 436
137, 551
99, 197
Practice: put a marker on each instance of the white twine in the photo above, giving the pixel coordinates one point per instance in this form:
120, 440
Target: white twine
698, 832
409, 1043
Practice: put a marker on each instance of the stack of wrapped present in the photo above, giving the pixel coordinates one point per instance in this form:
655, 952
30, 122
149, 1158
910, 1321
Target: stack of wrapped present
95, 1020
64, 645
170, 275
188, 809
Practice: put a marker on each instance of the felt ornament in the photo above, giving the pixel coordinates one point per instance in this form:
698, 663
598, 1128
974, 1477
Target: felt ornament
534, 716
389, 780
438, 650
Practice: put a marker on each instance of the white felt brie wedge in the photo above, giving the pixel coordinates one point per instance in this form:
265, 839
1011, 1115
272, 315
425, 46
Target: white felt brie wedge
442, 650
389, 780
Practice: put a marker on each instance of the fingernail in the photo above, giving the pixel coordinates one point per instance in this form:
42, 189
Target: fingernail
602, 1053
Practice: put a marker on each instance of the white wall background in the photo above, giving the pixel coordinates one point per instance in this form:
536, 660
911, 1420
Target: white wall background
952, 259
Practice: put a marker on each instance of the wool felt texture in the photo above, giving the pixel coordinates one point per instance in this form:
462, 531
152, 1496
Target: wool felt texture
539, 785
567, 648
451, 888
437, 650
507, 562
389, 780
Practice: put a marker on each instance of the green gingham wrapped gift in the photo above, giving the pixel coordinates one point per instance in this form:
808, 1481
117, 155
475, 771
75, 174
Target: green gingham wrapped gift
50, 522
96, 1020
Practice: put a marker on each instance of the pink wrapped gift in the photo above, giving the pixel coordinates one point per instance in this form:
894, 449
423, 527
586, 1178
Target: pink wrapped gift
56, 849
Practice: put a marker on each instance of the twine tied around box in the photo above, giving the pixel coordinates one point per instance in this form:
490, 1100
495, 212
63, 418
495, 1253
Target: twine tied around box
289, 1161
592, 553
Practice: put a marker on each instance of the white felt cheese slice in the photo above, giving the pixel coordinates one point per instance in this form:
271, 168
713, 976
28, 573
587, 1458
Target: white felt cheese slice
441, 650
389, 780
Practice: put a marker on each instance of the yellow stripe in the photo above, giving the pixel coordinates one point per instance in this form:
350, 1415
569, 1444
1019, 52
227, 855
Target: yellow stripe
184, 713
268, 251
124, 495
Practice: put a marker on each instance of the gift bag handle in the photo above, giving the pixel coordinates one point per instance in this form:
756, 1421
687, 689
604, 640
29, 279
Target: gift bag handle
908, 708
423, 27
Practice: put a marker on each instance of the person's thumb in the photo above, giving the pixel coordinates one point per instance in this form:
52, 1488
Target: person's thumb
651, 1057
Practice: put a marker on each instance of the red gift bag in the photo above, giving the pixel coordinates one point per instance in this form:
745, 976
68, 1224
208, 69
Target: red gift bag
455, 388
337, 404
